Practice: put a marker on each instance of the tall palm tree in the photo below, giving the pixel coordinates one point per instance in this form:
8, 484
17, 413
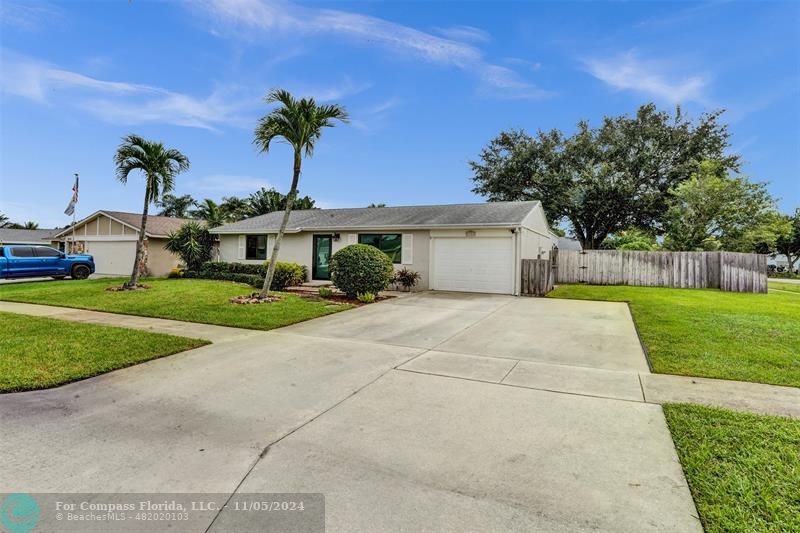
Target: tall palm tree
234, 208
159, 165
3, 221
209, 211
31, 225
299, 123
176, 206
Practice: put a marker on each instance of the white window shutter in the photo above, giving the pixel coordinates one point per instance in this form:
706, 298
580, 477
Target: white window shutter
408, 249
352, 238
242, 244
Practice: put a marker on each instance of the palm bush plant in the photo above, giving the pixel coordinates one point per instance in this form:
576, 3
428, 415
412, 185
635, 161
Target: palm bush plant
159, 165
192, 243
210, 212
299, 123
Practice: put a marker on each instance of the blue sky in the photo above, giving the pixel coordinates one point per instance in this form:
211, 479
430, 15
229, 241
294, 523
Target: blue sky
427, 85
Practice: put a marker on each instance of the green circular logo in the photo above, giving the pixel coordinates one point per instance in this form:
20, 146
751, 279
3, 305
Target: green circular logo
19, 513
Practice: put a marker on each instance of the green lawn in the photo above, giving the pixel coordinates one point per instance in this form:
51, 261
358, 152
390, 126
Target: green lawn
709, 333
791, 287
37, 353
192, 300
743, 469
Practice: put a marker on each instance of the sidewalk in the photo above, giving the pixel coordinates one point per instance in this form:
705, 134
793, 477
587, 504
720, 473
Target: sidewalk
654, 388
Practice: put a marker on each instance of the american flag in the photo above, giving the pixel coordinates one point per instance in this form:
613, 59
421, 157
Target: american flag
70, 210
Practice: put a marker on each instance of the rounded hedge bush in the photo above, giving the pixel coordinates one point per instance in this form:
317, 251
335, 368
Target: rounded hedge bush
360, 268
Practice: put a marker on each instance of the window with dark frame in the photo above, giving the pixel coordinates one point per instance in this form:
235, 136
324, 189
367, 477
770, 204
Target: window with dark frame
389, 243
256, 247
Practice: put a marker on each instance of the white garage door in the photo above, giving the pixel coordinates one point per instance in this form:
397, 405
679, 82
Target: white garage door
113, 257
479, 264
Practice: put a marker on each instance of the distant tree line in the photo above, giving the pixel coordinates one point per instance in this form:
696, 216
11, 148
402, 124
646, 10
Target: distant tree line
6, 223
231, 208
653, 180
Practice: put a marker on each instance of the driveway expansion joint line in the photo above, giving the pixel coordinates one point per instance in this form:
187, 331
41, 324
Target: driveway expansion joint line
509, 371
641, 386
267, 448
524, 387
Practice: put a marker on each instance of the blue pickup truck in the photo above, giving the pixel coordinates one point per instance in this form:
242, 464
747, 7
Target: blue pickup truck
27, 261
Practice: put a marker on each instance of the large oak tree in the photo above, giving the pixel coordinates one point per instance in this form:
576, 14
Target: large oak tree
605, 179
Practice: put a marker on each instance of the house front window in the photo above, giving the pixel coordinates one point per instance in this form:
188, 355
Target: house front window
256, 247
389, 243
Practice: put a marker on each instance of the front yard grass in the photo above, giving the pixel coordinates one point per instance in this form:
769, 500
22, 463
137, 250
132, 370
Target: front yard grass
37, 353
191, 300
743, 469
791, 287
710, 333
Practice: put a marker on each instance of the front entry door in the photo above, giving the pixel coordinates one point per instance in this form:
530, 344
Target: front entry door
322, 256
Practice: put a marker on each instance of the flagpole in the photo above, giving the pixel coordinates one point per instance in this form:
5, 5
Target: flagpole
74, 217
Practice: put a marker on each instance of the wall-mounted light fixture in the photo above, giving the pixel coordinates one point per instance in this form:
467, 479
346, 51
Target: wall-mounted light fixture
336, 236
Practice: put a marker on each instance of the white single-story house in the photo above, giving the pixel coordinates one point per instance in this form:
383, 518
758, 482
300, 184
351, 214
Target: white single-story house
110, 237
464, 247
28, 236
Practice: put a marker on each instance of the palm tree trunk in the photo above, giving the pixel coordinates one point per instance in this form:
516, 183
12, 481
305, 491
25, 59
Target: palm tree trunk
278, 238
140, 242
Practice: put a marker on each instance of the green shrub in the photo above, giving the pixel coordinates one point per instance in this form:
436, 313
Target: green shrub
325, 292
365, 297
783, 275
407, 278
286, 274
360, 268
192, 243
249, 279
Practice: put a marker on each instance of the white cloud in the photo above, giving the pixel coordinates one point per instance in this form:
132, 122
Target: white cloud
265, 18
343, 88
122, 102
464, 33
28, 16
656, 79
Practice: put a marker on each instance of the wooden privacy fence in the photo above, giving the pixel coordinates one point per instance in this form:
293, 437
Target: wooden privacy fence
727, 271
538, 276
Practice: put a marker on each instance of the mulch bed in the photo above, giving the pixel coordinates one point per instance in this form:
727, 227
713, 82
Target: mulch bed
336, 298
254, 298
121, 288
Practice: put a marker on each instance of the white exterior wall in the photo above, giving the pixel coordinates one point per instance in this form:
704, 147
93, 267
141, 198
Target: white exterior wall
298, 248
535, 239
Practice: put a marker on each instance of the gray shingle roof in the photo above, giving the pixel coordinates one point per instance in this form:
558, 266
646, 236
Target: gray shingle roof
422, 216
26, 236
565, 243
156, 225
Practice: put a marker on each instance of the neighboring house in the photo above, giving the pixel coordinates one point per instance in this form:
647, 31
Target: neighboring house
110, 236
565, 243
465, 247
28, 236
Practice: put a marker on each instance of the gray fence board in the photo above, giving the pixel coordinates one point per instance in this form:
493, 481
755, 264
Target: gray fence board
538, 276
728, 271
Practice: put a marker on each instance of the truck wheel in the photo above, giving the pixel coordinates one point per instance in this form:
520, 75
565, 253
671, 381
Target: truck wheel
80, 272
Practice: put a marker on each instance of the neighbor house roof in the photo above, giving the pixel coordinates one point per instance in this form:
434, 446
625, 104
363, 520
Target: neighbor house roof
157, 226
26, 236
502, 214
565, 243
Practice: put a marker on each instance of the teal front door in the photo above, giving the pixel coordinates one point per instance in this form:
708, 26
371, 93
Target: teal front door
322, 256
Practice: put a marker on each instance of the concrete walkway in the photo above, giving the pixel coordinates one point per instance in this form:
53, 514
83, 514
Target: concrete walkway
341, 405
437, 412
622, 375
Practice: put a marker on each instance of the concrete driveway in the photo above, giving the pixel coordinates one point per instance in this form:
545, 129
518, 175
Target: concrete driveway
434, 412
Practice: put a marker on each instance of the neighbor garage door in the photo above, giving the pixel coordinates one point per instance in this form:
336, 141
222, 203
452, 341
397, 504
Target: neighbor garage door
112, 257
479, 264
